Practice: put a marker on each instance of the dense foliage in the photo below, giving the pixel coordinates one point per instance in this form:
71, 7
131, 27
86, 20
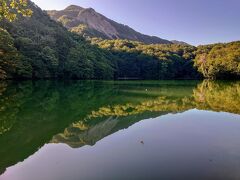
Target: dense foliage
136, 60
8, 54
10, 8
37, 47
219, 61
47, 50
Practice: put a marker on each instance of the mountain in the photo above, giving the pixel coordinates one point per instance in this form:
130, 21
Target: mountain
76, 136
88, 22
179, 42
37, 47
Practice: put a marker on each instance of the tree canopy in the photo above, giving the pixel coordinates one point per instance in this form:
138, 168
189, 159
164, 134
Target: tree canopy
40, 48
219, 61
8, 54
9, 9
156, 61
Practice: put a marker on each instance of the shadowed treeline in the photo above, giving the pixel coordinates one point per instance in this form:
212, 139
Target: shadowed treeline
82, 112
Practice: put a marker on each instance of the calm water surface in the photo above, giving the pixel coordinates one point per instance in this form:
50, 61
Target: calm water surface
76, 130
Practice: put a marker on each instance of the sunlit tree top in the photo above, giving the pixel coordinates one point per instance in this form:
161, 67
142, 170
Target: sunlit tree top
10, 8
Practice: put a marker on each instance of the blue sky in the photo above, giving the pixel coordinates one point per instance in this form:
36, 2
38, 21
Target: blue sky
193, 21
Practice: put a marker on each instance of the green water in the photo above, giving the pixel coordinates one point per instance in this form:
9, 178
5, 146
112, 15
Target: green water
119, 130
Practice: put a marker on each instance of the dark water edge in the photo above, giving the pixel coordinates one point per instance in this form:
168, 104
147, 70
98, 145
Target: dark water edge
80, 113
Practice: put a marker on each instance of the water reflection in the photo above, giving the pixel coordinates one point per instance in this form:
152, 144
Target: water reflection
82, 113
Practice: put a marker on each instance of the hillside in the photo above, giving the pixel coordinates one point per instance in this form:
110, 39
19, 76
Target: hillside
90, 23
40, 48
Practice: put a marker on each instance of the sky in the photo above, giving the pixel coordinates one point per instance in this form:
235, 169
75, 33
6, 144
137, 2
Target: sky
193, 21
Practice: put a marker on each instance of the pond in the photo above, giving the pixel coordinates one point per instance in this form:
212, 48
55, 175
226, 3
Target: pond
71, 130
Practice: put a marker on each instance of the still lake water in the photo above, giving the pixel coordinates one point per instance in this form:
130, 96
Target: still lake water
51, 130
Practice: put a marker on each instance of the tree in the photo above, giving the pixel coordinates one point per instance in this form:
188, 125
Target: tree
8, 54
50, 59
156, 61
219, 61
79, 63
10, 8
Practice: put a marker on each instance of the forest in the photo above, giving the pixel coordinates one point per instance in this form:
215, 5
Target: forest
32, 46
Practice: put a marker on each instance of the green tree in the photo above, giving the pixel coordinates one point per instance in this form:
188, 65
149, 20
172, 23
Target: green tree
219, 60
49, 56
79, 63
8, 54
10, 8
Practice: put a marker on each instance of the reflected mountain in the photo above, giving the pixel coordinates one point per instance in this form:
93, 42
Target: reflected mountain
81, 113
207, 96
79, 134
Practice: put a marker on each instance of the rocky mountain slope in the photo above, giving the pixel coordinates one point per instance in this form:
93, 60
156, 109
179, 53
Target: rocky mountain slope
90, 23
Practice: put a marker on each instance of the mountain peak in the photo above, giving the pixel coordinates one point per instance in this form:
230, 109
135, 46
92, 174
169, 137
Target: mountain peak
90, 9
88, 22
73, 8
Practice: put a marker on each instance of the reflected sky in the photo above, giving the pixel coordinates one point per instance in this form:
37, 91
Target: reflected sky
119, 130
173, 146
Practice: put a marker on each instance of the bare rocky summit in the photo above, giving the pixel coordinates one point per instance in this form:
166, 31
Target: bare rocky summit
88, 22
